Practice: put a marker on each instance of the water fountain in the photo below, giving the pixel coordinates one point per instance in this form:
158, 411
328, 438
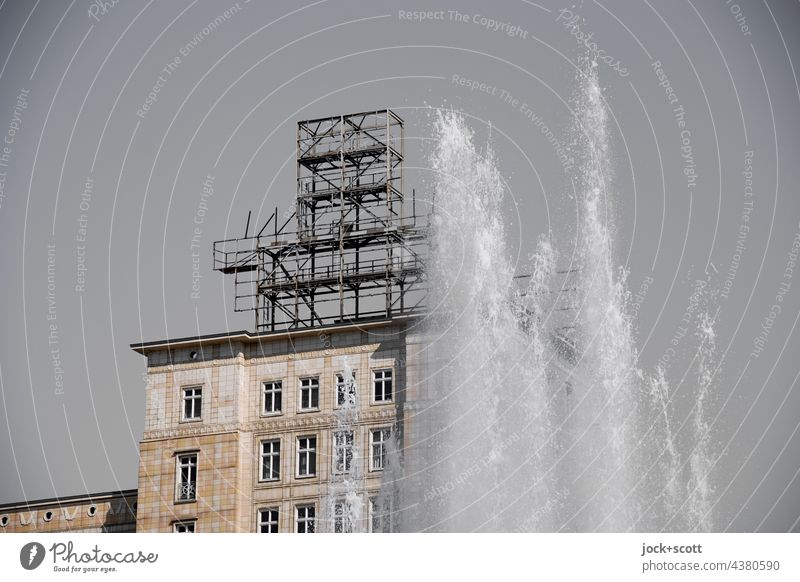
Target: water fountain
531, 417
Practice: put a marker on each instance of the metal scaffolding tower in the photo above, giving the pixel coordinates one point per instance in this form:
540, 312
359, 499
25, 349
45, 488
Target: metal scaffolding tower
352, 250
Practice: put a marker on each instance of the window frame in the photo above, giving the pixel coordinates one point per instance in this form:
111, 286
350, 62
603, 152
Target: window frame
262, 523
346, 466
264, 384
272, 455
338, 380
305, 520
185, 523
312, 388
178, 483
387, 434
338, 517
383, 379
372, 501
197, 402
308, 451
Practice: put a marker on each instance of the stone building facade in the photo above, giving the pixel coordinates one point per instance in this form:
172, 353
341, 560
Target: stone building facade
112, 512
241, 435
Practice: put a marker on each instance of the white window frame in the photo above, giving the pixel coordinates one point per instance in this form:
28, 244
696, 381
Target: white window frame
340, 452
272, 393
196, 399
308, 452
386, 434
384, 515
189, 526
338, 517
313, 385
275, 460
305, 520
191, 494
338, 382
382, 380
270, 523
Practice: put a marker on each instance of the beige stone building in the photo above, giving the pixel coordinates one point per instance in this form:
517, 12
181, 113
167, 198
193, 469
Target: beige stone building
113, 512
240, 429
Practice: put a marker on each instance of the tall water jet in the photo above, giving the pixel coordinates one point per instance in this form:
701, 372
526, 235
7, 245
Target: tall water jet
604, 407
345, 495
532, 412
472, 456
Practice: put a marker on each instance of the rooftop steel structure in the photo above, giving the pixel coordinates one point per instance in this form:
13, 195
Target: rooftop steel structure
352, 250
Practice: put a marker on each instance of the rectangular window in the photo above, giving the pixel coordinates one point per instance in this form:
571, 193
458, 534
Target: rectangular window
192, 402
379, 515
342, 517
343, 451
186, 478
345, 392
378, 440
270, 460
183, 527
306, 456
382, 384
309, 393
268, 520
272, 392
306, 518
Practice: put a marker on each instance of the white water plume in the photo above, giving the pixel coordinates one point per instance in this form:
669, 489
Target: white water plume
533, 413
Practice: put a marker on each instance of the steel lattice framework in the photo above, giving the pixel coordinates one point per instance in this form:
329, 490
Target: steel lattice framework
352, 250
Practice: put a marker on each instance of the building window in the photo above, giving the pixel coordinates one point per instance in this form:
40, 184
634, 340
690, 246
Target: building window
270, 460
183, 527
192, 402
345, 392
378, 439
342, 517
268, 520
382, 385
186, 481
379, 515
306, 456
272, 397
306, 518
343, 451
309, 393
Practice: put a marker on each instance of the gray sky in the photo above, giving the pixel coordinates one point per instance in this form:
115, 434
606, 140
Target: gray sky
99, 198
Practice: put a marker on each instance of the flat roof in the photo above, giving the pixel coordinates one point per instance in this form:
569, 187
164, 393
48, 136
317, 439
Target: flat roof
249, 337
68, 499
